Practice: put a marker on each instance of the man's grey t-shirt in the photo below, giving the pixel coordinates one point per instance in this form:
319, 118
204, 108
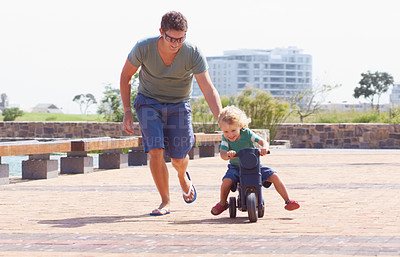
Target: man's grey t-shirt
167, 84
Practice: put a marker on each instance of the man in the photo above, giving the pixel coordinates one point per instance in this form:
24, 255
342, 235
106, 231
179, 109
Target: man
167, 66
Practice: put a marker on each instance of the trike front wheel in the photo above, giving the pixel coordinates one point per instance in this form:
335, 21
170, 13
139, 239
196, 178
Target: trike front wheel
252, 207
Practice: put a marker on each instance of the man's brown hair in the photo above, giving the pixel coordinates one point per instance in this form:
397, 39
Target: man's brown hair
174, 21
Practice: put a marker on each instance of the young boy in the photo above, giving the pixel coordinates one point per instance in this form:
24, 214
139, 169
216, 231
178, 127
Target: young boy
236, 136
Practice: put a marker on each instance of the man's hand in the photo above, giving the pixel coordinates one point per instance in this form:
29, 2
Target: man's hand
128, 122
125, 89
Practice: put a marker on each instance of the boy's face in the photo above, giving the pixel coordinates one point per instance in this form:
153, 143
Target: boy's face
230, 131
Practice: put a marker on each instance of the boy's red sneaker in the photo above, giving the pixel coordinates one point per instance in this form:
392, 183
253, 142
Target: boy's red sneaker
218, 209
291, 205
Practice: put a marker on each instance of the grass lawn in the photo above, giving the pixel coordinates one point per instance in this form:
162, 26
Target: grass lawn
58, 117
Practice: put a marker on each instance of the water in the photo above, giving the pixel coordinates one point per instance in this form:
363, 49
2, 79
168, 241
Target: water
15, 162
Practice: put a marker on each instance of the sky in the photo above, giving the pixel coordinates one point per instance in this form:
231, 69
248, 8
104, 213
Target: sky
52, 50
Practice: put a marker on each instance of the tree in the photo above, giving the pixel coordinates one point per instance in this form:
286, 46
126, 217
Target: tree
111, 104
84, 101
11, 114
227, 100
264, 110
4, 100
309, 102
373, 84
202, 114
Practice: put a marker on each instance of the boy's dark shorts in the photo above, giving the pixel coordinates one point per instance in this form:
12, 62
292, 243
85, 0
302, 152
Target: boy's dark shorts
233, 174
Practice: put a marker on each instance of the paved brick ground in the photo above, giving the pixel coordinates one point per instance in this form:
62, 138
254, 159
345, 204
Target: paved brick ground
349, 207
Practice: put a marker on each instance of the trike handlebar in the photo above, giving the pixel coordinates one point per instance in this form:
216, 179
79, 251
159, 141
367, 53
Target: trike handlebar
237, 153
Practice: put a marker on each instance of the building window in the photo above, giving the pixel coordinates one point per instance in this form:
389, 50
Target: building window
276, 66
277, 86
274, 79
277, 73
277, 93
243, 79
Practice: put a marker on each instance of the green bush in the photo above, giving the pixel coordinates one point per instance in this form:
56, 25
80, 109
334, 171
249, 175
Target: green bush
394, 115
351, 117
265, 111
11, 114
370, 117
111, 105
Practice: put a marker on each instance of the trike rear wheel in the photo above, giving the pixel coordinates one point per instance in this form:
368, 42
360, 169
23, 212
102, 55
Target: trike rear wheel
232, 207
261, 209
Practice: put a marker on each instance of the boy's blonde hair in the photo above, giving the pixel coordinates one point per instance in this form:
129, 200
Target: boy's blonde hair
233, 115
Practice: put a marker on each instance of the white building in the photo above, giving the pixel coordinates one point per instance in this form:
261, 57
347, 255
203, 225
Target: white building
360, 107
395, 95
284, 72
46, 108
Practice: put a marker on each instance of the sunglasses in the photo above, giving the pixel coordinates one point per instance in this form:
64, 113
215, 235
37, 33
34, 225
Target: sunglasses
173, 40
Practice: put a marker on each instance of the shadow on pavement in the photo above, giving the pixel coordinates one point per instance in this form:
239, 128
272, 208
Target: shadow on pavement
83, 221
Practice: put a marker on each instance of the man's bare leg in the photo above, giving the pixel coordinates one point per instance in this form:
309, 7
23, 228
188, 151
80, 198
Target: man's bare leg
160, 174
181, 167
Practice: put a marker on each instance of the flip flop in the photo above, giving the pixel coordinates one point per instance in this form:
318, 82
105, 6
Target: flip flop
190, 190
160, 212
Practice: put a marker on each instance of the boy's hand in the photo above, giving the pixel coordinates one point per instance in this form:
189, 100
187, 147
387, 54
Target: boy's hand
231, 154
263, 151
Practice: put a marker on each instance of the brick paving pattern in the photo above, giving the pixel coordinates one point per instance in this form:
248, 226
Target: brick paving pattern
349, 207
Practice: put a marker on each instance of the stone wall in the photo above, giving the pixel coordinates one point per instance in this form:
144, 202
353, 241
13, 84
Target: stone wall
63, 129
66, 129
363, 136
349, 135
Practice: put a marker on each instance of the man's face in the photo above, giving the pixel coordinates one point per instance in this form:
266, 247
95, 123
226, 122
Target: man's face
173, 39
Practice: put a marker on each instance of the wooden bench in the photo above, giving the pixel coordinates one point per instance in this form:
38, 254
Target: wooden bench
77, 160
206, 145
39, 165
